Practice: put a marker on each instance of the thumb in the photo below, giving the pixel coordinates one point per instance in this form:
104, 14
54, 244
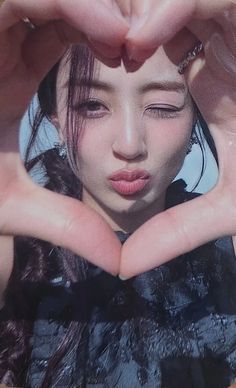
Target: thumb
176, 231
34, 211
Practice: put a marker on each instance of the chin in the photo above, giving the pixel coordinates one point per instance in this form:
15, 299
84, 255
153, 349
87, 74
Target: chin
134, 206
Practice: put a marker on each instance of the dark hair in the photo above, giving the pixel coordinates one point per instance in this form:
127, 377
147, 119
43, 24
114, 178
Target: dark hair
34, 266
201, 133
36, 262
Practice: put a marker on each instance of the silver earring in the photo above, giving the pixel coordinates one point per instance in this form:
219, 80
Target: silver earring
61, 149
193, 140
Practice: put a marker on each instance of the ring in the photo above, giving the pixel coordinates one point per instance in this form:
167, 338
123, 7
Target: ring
190, 57
27, 22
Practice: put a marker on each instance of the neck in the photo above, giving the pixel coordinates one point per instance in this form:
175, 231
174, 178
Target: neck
126, 221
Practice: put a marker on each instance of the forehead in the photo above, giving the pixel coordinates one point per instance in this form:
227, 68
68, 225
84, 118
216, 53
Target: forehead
156, 68
157, 73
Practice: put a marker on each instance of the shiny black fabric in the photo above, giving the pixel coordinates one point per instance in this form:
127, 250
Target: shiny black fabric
174, 326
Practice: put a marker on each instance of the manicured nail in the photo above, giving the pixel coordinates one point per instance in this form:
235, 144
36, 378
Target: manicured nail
123, 278
137, 54
132, 52
108, 51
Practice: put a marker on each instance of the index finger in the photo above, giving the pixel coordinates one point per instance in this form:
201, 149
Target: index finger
165, 19
176, 231
102, 24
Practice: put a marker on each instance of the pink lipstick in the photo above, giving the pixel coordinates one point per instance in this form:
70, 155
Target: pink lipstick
127, 182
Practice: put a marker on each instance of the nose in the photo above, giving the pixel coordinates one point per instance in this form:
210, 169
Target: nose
129, 142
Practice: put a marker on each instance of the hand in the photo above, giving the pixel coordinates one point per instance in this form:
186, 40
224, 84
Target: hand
212, 82
25, 57
21, 71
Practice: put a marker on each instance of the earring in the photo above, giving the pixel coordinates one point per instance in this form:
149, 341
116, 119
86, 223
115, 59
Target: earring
61, 149
193, 140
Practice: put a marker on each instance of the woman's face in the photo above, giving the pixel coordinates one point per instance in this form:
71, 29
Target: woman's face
137, 128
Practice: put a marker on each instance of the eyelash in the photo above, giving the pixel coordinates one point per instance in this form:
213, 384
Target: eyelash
163, 112
83, 109
155, 111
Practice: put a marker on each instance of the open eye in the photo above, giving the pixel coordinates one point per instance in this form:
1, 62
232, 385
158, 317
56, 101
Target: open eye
163, 111
92, 109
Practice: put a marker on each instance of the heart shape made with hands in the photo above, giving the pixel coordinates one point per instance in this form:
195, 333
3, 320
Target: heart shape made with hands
179, 229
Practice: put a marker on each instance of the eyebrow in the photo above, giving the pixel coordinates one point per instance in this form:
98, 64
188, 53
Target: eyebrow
96, 84
168, 86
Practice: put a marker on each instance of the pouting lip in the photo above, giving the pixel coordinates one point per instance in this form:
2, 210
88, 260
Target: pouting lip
129, 175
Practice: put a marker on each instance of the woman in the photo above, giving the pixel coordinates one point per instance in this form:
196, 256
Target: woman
156, 336
130, 134
26, 57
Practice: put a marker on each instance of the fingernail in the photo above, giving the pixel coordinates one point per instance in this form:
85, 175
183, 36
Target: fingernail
108, 51
132, 52
139, 55
123, 278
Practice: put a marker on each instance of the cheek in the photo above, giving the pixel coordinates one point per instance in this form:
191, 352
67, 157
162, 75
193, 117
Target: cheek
95, 142
91, 151
169, 141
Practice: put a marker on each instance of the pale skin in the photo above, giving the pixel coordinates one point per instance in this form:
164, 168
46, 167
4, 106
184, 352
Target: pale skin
133, 121
29, 210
